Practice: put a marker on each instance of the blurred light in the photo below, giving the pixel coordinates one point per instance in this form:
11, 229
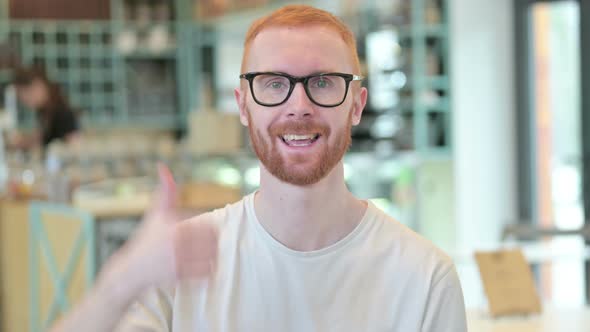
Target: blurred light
566, 184
252, 176
347, 172
398, 79
397, 49
125, 189
228, 176
382, 203
389, 169
28, 177
385, 126
384, 149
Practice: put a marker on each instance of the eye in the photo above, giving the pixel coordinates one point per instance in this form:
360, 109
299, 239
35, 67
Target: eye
321, 82
270, 82
276, 85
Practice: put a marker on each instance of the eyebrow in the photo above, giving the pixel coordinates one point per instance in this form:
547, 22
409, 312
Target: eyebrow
312, 73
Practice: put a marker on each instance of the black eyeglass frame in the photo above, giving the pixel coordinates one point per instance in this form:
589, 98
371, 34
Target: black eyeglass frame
299, 79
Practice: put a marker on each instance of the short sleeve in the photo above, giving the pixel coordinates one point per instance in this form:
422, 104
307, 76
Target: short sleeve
151, 313
445, 311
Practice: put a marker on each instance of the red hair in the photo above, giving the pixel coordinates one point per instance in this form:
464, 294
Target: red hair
302, 16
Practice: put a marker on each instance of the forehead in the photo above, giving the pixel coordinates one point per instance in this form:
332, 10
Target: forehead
299, 51
34, 83
27, 89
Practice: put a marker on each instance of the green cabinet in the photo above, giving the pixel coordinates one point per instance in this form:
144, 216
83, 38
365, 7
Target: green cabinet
430, 86
104, 69
79, 56
415, 86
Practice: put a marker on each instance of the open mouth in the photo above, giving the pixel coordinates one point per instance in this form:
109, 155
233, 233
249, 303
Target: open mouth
299, 140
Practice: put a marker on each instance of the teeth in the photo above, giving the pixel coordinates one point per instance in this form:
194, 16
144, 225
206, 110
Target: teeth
298, 143
297, 137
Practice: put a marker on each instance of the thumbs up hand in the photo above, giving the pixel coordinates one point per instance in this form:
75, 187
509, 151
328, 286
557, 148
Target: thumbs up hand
164, 249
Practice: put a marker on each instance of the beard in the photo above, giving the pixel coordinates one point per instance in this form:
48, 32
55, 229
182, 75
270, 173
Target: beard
298, 168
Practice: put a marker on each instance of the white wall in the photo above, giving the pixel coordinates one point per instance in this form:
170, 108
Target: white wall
482, 82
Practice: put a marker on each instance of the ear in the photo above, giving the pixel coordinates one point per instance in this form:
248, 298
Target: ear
358, 106
240, 96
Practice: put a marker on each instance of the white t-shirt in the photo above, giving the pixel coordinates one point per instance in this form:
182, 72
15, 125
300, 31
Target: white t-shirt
380, 277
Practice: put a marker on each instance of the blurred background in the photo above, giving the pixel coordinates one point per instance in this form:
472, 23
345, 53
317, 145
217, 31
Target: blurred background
473, 135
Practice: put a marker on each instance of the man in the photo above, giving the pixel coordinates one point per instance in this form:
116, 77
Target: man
301, 253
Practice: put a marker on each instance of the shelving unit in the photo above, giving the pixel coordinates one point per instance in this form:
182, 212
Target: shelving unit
148, 35
437, 114
110, 86
79, 57
424, 100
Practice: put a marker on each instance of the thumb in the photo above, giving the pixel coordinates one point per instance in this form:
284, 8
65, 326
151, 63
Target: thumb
167, 194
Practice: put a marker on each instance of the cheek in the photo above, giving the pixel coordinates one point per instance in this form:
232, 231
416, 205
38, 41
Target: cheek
37, 93
261, 119
28, 100
342, 119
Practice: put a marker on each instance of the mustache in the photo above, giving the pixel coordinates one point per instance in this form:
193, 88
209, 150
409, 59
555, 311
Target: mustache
298, 128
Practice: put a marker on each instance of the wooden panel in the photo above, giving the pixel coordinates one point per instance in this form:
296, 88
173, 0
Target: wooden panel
62, 234
59, 9
14, 268
14, 264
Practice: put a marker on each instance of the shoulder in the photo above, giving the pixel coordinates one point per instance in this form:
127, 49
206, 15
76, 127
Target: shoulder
64, 113
232, 226
224, 216
409, 250
66, 118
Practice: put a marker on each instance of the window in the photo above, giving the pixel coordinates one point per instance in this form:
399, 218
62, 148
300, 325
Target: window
551, 41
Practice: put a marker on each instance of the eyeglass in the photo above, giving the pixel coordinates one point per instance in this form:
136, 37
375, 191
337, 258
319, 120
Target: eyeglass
325, 89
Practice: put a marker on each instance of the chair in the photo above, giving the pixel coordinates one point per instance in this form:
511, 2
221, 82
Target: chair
70, 233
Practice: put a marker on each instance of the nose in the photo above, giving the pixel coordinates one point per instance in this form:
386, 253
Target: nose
299, 103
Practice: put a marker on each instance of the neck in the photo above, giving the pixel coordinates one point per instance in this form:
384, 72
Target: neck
311, 217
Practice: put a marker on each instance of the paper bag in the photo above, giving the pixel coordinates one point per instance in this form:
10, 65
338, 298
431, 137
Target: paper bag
508, 283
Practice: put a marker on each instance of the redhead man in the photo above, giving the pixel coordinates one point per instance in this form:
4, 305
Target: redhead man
299, 254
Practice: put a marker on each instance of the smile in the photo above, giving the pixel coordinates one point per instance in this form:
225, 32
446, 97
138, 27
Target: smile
299, 140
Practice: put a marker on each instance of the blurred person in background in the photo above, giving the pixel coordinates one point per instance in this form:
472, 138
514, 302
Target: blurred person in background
56, 120
301, 253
